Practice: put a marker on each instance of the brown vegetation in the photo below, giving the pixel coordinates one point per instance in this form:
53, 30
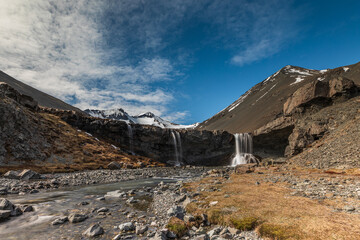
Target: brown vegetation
271, 210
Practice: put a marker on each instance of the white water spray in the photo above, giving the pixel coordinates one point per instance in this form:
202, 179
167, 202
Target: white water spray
130, 134
177, 147
178, 139
243, 149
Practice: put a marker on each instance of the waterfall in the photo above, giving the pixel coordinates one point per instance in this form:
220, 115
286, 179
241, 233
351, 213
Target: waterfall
130, 134
243, 149
177, 163
178, 139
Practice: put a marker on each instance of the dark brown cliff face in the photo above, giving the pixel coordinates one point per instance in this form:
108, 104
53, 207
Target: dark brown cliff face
198, 147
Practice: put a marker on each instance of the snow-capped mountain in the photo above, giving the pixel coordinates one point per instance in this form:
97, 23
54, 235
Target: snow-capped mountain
264, 102
143, 119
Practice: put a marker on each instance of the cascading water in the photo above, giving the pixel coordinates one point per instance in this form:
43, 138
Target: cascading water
178, 139
130, 134
243, 149
177, 162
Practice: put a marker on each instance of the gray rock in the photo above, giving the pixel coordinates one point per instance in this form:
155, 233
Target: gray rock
16, 212
3, 191
94, 230
126, 227
60, 220
189, 218
176, 211
115, 194
141, 229
6, 204
4, 214
28, 174
77, 217
115, 165
214, 231
26, 208
201, 237
103, 209
131, 200
180, 199
12, 175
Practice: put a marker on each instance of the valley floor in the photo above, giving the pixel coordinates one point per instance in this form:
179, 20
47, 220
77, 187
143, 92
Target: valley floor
275, 202
281, 203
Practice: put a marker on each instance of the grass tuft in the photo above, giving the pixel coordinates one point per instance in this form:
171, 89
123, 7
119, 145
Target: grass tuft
245, 224
177, 226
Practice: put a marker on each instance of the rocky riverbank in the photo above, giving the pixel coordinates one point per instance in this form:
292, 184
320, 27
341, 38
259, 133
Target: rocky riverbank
61, 180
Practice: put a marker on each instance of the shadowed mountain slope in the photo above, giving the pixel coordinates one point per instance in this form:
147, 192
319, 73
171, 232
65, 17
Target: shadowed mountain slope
43, 99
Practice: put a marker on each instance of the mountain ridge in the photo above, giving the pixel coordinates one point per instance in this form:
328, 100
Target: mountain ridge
264, 102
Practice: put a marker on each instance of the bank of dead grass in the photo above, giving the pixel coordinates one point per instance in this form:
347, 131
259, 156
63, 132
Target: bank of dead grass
278, 215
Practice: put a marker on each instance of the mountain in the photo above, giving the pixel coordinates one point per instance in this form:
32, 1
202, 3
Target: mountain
143, 119
43, 99
264, 102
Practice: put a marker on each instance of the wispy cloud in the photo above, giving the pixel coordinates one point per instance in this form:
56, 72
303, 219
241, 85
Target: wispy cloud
107, 54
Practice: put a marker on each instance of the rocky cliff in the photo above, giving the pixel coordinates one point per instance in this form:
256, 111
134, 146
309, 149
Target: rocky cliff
309, 114
197, 147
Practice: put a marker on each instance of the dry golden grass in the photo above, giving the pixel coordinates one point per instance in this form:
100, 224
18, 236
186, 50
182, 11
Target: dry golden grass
278, 214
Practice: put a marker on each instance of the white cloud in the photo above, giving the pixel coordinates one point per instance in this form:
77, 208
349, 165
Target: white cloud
59, 47
107, 54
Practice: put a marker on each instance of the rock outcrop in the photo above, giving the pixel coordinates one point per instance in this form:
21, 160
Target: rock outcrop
308, 115
197, 147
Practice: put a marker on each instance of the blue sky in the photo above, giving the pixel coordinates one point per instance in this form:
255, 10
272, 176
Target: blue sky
183, 60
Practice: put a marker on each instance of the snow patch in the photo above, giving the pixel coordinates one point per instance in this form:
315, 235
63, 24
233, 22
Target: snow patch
321, 78
239, 101
266, 92
346, 69
297, 80
147, 118
324, 71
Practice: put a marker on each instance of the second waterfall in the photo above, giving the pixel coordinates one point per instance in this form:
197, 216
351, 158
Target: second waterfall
177, 147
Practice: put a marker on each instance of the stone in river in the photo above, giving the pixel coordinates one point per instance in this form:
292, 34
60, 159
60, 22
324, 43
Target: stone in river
60, 220
76, 217
94, 230
6, 204
125, 227
4, 214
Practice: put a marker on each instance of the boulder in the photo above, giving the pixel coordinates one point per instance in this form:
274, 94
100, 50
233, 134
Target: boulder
115, 165
115, 194
94, 230
4, 214
126, 227
28, 174
176, 211
141, 229
12, 174
16, 212
308, 92
6, 204
77, 217
60, 220
339, 86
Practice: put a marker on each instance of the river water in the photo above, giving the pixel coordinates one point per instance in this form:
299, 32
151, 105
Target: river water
52, 204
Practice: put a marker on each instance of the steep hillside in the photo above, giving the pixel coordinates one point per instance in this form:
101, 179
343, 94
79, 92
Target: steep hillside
339, 148
42, 98
42, 141
264, 102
